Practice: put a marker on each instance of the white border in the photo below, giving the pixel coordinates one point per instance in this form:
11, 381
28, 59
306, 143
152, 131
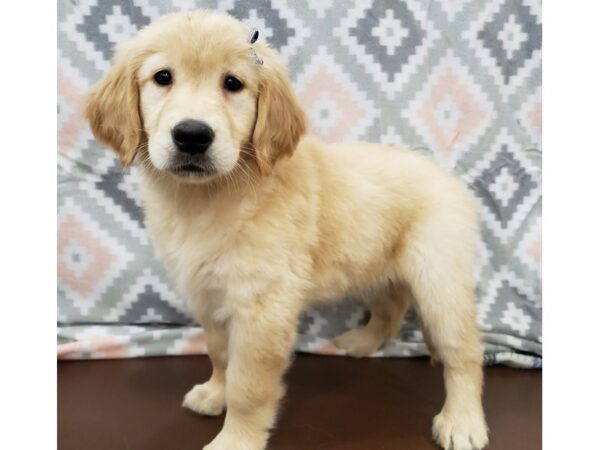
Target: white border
28, 233
571, 223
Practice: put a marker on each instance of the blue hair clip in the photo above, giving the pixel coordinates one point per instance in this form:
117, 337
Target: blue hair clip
252, 37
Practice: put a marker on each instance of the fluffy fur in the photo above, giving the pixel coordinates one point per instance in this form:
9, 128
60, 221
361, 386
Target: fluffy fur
284, 222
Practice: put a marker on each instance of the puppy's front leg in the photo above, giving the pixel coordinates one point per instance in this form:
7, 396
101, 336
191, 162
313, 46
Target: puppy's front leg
209, 398
261, 340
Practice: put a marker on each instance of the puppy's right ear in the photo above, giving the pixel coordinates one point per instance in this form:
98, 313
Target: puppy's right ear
113, 112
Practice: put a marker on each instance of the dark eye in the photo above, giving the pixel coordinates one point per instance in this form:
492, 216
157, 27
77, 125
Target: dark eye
163, 77
232, 84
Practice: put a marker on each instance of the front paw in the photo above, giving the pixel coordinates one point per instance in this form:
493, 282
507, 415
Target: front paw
207, 399
236, 441
460, 431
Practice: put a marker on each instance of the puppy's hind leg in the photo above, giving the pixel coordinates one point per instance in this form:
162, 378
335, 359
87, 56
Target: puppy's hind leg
444, 297
387, 309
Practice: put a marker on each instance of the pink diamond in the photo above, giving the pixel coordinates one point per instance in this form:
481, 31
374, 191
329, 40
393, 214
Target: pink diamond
325, 93
72, 124
467, 115
535, 116
81, 280
535, 250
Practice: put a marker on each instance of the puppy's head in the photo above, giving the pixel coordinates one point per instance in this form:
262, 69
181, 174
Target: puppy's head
187, 97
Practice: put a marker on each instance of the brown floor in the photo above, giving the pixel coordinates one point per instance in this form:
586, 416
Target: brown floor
332, 403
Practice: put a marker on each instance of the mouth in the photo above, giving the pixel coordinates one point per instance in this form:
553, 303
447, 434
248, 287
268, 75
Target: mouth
192, 170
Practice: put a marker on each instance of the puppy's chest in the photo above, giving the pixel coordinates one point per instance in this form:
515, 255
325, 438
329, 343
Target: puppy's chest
189, 240
191, 247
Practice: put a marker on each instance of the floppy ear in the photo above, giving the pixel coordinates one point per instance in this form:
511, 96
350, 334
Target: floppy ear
113, 112
280, 120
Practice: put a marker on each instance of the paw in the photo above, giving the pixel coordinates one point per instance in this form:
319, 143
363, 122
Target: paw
460, 431
230, 441
207, 399
359, 342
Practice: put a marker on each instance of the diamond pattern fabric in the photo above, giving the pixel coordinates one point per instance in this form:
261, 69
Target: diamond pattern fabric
459, 80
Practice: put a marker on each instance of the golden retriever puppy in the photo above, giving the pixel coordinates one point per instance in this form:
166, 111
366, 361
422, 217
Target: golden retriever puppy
256, 223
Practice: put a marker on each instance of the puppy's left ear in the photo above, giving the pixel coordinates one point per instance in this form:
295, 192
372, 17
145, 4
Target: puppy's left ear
113, 111
280, 121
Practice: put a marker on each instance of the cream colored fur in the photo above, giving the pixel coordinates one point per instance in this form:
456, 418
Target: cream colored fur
286, 223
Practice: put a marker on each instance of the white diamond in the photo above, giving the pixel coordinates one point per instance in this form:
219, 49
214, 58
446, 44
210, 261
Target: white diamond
325, 113
118, 27
76, 258
516, 319
512, 36
504, 186
389, 32
448, 114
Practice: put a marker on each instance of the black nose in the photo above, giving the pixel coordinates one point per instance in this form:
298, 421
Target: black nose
192, 136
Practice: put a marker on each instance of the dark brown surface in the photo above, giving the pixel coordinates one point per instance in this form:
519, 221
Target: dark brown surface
332, 403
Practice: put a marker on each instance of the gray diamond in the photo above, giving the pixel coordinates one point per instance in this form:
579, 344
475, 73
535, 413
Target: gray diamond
510, 62
504, 210
364, 32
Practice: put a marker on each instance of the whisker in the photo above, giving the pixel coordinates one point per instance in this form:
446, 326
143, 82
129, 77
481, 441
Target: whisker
120, 127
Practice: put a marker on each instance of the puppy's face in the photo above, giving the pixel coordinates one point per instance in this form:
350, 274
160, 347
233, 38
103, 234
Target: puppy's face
188, 97
198, 92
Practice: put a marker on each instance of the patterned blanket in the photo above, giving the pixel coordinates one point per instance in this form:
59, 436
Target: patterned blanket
460, 80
